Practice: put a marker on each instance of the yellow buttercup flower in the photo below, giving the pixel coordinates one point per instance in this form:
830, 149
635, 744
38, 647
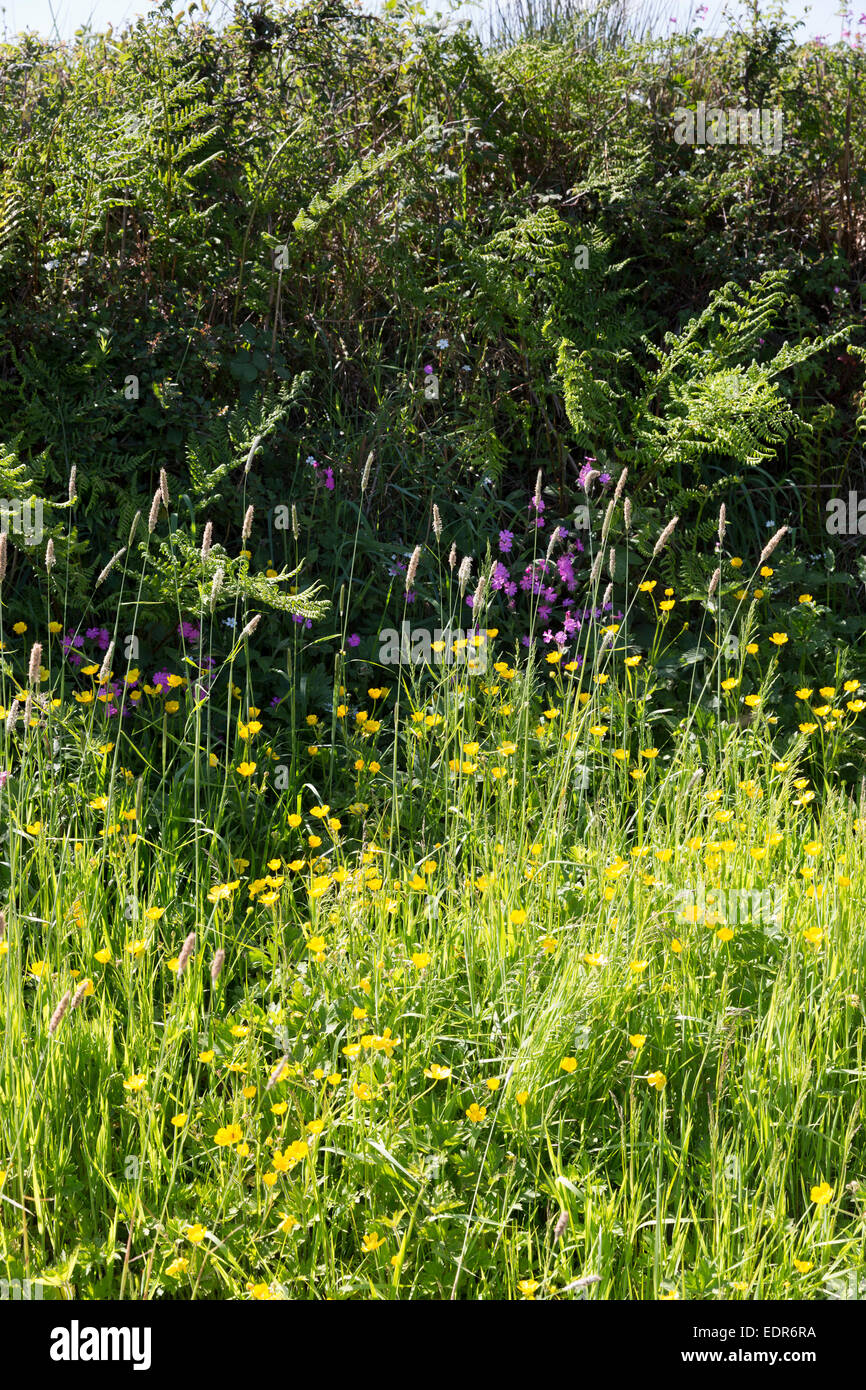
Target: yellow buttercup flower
228, 1134
435, 1072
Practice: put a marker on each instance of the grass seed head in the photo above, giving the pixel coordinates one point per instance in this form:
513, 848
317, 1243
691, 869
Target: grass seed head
186, 951
35, 663
365, 476
252, 453
412, 569
110, 566
80, 993
58, 1013
154, 512
772, 543
277, 1073
665, 537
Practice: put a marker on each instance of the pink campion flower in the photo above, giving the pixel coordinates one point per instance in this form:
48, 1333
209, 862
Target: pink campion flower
585, 471
4, 777
506, 541
354, 639
565, 567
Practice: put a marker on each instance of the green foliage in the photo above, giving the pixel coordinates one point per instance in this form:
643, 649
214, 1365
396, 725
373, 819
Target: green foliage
703, 398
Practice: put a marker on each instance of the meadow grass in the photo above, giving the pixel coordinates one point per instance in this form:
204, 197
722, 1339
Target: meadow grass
477, 1031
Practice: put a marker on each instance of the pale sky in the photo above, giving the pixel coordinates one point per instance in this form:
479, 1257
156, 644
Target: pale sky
63, 17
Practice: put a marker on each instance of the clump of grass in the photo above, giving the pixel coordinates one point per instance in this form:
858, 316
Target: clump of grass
483, 945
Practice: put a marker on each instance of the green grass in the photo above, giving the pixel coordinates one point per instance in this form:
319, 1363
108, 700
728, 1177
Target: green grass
467, 900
